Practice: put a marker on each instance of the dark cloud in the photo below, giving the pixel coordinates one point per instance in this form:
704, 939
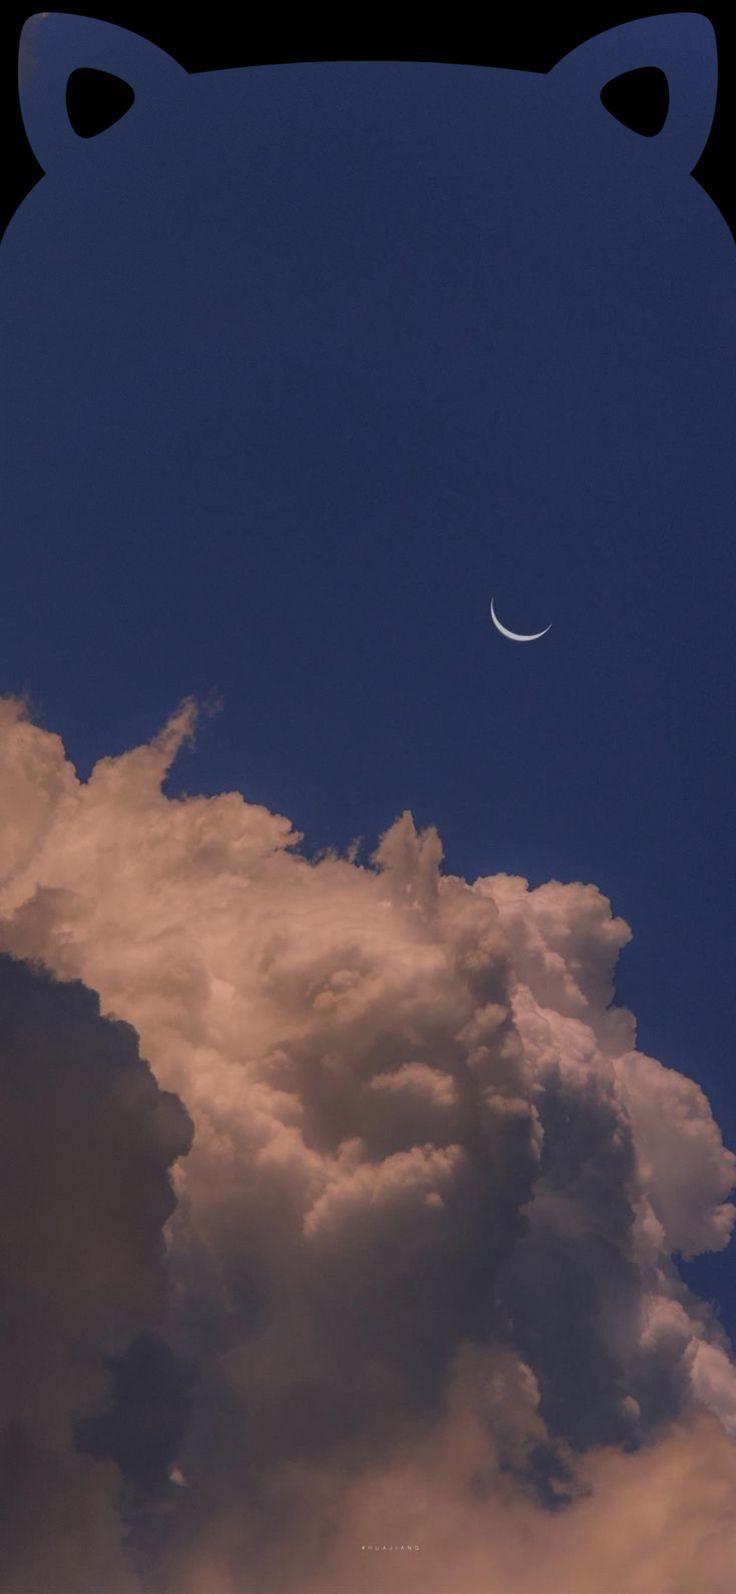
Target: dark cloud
87, 1139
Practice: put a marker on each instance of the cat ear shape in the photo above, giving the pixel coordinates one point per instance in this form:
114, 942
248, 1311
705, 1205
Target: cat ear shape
54, 48
682, 46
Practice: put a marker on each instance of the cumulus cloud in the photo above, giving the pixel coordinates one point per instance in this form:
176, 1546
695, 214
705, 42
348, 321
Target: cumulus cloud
658, 1521
422, 1272
86, 1142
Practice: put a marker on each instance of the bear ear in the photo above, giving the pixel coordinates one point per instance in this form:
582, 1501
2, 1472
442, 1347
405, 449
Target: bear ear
682, 46
60, 53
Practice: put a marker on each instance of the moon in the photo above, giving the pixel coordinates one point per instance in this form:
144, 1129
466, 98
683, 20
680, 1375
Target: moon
514, 636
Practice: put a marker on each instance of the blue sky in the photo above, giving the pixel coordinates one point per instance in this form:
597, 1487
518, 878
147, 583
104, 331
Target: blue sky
297, 388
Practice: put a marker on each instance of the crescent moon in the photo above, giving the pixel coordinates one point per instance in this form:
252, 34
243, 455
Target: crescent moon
514, 636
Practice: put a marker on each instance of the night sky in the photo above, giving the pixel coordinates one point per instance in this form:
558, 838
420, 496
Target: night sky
303, 365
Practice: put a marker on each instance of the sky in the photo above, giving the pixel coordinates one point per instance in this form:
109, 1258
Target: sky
305, 364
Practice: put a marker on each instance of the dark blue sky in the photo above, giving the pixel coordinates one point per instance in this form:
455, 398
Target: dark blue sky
310, 361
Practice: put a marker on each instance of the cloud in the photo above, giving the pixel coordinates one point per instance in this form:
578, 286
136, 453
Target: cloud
659, 1521
426, 1239
688, 1195
87, 1139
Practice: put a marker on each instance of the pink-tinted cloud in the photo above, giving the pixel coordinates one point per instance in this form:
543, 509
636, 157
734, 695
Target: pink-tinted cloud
426, 1238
